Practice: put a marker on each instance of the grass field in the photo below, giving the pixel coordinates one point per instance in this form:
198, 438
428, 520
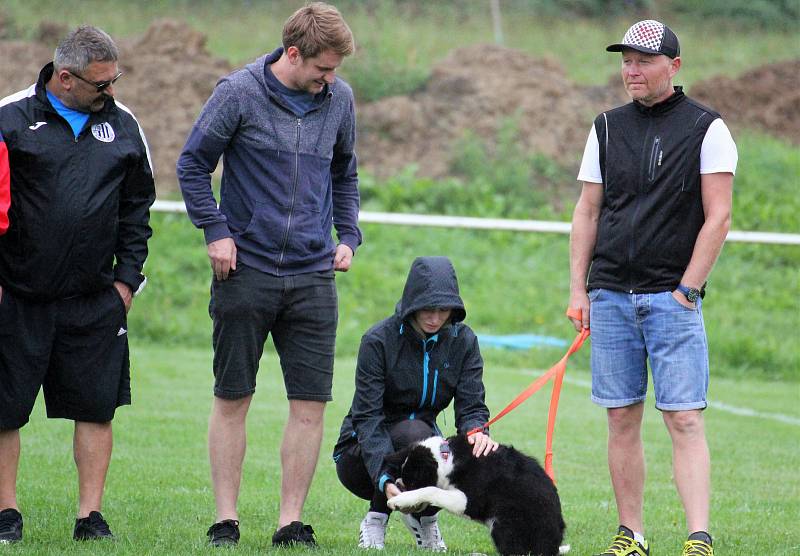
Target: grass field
159, 501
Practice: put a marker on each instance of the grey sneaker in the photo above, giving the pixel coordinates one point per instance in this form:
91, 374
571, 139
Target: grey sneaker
372, 532
426, 532
92, 527
10, 526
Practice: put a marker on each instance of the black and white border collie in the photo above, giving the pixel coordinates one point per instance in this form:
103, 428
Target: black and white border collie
506, 490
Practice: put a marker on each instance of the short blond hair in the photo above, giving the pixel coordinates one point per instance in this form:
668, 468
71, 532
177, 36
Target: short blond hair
318, 27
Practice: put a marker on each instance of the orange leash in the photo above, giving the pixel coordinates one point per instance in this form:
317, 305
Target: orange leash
557, 373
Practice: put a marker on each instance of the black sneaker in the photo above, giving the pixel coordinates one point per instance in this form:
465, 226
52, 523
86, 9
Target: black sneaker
224, 533
92, 527
10, 526
294, 533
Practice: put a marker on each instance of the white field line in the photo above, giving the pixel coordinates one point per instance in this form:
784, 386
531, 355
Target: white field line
747, 412
713, 404
406, 219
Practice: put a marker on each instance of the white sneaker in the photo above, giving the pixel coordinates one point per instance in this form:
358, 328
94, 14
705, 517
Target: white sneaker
373, 530
426, 532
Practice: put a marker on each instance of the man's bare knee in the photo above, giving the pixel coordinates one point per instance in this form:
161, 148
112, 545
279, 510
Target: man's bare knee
232, 410
306, 413
625, 420
685, 423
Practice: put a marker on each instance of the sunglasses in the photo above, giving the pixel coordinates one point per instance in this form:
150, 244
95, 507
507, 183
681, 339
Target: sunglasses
102, 85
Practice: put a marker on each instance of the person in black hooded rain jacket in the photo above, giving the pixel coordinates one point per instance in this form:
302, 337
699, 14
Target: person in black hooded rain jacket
410, 367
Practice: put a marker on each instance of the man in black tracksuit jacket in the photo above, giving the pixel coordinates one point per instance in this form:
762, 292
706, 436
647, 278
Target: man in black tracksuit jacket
81, 186
650, 223
409, 370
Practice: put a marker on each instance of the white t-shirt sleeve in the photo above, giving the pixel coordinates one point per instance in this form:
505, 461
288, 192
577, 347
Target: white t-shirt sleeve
590, 165
718, 152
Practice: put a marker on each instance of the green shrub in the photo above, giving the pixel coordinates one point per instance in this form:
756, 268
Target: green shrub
767, 14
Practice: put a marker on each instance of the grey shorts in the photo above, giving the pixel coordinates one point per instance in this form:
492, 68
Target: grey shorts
301, 312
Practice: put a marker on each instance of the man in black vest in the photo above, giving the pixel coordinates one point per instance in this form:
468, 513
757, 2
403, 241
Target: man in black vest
651, 220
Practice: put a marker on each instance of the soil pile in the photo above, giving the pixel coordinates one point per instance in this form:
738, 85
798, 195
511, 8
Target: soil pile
477, 88
766, 98
20, 63
169, 74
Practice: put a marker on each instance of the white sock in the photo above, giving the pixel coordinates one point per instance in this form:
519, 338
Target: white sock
638, 537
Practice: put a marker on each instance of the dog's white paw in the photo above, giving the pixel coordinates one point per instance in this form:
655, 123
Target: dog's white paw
405, 501
563, 549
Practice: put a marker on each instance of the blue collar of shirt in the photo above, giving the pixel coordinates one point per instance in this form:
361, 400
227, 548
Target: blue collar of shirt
75, 118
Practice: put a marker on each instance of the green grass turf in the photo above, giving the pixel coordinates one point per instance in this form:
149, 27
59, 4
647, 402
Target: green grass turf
159, 501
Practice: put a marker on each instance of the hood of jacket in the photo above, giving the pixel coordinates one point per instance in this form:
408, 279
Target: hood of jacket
258, 67
431, 283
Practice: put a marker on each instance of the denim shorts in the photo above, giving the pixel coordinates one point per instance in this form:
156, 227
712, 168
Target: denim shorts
630, 329
301, 313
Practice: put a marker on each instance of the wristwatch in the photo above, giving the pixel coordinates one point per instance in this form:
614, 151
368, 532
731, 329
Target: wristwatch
691, 294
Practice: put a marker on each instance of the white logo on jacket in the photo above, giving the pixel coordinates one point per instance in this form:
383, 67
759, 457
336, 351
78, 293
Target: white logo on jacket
103, 132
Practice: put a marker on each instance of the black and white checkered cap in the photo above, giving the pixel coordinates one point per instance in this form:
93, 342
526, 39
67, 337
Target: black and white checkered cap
651, 37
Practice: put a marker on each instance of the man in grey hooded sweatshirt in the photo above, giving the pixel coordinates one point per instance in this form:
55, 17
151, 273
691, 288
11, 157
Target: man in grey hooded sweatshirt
285, 128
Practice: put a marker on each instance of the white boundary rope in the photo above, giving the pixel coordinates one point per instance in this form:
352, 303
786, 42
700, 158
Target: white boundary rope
405, 219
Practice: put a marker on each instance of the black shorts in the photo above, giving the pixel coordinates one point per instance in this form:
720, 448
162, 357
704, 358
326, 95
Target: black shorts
76, 349
300, 311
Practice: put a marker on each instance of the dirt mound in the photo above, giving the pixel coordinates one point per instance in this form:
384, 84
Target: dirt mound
476, 88
168, 76
20, 63
766, 98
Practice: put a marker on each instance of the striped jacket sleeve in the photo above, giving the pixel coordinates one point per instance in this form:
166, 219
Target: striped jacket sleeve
5, 187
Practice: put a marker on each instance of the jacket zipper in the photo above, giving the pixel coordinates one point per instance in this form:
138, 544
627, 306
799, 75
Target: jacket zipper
655, 159
435, 381
294, 192
635, 218
426, 359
